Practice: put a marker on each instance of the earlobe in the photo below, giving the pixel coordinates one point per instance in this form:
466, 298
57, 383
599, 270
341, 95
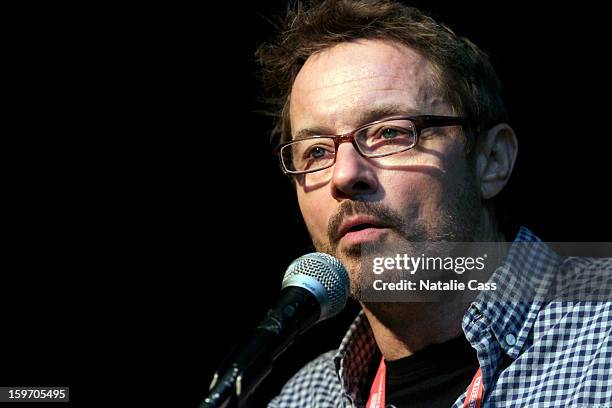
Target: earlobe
496, 158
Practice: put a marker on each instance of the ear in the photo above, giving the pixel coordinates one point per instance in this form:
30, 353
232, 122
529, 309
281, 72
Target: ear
495, 160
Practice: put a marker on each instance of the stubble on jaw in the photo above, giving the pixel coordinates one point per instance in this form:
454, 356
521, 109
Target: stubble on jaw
458, 221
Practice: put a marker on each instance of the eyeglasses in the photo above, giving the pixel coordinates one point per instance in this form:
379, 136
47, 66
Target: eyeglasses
373, 140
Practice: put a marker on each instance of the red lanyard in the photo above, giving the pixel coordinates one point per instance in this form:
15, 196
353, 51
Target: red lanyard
473, 398
377, 392
376, 399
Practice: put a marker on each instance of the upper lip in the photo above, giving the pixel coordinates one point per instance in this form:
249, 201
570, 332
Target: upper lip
358, 220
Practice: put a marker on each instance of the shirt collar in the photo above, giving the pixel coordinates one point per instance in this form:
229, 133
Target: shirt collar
354, 356
523, 280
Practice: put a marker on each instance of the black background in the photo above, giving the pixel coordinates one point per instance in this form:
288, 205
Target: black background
149, 224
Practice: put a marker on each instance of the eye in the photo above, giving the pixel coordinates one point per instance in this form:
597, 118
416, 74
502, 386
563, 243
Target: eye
317, 152
390, 133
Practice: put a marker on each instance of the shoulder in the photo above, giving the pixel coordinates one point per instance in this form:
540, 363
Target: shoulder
579, 306
584, 279
315, 384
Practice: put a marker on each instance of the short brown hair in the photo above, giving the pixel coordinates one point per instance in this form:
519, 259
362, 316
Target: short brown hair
463, 74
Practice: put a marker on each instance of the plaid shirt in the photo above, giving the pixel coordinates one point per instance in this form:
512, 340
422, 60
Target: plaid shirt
558, 343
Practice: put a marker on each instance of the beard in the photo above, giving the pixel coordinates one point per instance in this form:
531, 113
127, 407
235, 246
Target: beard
457, 221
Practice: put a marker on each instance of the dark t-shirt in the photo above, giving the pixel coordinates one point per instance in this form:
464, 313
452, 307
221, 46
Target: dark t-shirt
433, 377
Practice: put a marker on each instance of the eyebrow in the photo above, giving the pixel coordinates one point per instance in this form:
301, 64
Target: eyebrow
371, 115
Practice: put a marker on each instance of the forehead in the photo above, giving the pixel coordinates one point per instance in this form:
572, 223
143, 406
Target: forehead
337, 84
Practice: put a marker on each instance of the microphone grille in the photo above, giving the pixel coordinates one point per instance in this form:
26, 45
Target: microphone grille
328, 272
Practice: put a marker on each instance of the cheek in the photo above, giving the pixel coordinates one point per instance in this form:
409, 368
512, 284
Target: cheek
413, 187
443, 189
416, 194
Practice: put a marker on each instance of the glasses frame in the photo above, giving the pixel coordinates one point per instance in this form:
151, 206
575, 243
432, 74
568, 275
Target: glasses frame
420, 123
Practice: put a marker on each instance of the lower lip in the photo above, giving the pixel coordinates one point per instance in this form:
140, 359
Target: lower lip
364, 235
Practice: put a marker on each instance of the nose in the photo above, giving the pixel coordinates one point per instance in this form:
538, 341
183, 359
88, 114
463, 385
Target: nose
352, 176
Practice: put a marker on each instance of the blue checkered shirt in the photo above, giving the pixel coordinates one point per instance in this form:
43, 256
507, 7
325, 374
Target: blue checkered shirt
558, 343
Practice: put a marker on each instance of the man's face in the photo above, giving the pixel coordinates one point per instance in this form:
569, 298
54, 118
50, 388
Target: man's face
427, 194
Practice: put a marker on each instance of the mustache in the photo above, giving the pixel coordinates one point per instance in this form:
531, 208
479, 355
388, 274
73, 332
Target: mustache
386, 215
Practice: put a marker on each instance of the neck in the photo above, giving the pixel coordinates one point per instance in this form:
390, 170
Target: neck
401, 329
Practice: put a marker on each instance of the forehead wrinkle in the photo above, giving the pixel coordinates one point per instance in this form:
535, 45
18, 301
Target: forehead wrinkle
332, 92
371, 76
395, 68
349, 97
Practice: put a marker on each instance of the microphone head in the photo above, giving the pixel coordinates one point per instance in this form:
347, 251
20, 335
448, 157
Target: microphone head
322, 275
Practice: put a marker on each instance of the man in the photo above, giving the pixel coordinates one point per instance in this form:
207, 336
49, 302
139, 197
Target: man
395, 133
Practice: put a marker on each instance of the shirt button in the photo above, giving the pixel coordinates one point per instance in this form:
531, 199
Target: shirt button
510, 339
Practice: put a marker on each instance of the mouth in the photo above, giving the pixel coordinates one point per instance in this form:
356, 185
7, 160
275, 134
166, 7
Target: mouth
361, 229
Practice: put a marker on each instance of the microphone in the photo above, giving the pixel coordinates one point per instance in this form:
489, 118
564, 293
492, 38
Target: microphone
315, 287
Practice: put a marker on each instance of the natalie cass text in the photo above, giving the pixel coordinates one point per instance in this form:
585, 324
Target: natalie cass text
429, 285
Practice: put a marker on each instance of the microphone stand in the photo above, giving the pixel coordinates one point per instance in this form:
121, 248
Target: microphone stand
252, 363
233, 387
